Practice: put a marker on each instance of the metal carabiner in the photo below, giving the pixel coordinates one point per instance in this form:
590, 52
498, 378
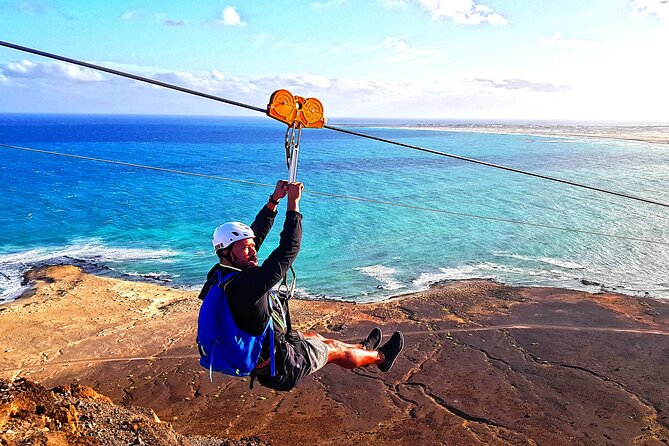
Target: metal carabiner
292, 146
288, 144
286, 291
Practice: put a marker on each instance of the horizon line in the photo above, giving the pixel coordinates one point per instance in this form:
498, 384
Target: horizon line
371, 120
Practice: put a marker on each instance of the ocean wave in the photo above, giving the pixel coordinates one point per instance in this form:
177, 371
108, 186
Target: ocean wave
91, 253
382, 274
458, 273
549, 260
561, 278
304, 294
491, 271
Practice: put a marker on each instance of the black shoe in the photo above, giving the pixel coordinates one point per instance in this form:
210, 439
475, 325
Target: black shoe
373, 339
391, 351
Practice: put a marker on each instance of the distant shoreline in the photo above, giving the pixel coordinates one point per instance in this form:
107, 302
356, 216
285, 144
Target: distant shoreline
656, 134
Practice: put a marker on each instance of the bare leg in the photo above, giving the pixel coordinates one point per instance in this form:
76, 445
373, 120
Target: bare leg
323, 338
349, 356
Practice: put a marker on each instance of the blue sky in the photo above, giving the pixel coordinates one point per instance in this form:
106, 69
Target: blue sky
411, 59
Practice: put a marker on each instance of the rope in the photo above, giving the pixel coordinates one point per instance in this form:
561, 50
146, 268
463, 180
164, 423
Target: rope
336, 129
344, 197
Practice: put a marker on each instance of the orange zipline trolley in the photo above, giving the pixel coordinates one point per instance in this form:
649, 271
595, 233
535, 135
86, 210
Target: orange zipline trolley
297, 112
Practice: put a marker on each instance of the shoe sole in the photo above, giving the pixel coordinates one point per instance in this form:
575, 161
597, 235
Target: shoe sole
376, 344
392, 362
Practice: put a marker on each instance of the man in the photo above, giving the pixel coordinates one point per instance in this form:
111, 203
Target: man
252, 303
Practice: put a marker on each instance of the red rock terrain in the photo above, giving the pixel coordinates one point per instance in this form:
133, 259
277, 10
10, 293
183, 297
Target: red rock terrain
77, 415
484, 363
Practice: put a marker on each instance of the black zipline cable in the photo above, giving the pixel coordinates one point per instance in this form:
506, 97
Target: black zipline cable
328, 194
130, 76
496, 166
329, 127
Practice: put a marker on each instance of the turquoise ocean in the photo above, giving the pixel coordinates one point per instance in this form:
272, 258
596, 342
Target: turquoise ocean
138, 224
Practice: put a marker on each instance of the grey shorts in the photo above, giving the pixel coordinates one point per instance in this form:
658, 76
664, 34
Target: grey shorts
297, 358
317, 352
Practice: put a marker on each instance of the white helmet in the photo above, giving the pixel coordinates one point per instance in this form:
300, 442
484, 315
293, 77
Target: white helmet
230, 232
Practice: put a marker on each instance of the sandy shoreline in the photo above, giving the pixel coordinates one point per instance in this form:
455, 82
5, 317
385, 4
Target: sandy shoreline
484, 363
656, 134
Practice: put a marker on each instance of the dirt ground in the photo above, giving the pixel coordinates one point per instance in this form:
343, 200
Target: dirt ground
484, 363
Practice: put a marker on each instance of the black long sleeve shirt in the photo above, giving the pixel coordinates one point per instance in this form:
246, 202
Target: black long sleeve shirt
248, 291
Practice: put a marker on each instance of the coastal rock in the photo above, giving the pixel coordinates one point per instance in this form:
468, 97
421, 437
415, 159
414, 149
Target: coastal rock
78, 415
590, 283
484, 363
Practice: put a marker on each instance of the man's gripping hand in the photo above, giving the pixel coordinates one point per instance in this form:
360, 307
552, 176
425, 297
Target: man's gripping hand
294, 192
280, 190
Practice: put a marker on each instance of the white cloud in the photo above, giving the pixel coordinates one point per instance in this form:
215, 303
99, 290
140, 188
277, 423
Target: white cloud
171, 22
345, 88
211, 81
465, 12
31, 7
592, 92
230, 17
328, 4
215, 74
643, 9
393, 4
129, 67
523, 84
49, 70
629, 80
303, 81
130, 15
215, 80
403, 52
160, 17
392, 49
313, 80
396, 44
557, 41
262, 38
308, 84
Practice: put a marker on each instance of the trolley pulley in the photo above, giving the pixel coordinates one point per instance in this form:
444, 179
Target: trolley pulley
297, 112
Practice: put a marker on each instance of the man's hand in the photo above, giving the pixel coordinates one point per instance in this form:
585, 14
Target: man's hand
294, 192
280, 190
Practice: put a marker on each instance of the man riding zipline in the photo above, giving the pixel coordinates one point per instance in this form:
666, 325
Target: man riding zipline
244, 326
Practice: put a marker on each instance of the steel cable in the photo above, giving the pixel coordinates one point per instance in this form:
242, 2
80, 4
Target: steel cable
338, 196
